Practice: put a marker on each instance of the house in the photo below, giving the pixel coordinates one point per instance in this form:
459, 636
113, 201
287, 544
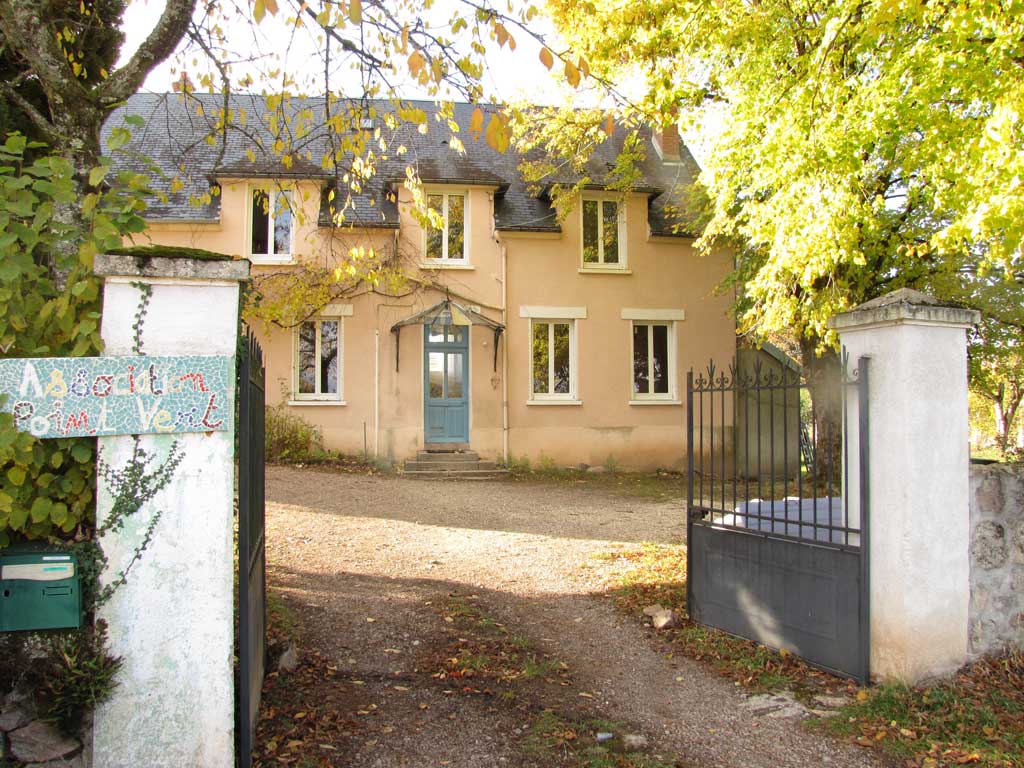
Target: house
516, 335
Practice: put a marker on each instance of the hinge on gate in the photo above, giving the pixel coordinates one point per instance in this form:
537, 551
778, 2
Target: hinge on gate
697, 514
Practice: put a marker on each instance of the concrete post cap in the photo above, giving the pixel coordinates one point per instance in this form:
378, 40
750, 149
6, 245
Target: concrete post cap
182, 267
905, 306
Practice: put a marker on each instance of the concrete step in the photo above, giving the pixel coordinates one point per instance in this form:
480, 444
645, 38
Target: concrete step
449, 465
445, 447
447, 456
464, 474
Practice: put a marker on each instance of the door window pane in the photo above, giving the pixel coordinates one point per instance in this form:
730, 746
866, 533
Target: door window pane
457, 334
610, 227
282, 224
260, 222
640, 377
329, 357
659, 359
435, 237
456, 228
590, 231
435, 363
540, 358
307, 358
436, 333
455, 382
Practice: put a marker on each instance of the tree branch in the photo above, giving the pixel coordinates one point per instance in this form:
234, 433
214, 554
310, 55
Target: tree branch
38, 118
160, 44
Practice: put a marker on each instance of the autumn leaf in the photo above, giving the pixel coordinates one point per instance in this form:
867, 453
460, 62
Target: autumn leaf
416, 62
497, 134
476, 123
572, 74
546, 58
355, 11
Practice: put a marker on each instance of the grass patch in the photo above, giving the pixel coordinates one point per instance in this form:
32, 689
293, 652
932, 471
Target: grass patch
976, 718
656, 574
557, 740
663, 485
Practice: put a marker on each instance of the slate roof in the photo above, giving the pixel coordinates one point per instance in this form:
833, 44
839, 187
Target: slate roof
175, 139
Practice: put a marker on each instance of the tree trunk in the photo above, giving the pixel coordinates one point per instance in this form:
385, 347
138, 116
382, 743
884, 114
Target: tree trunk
824, 382
79, 144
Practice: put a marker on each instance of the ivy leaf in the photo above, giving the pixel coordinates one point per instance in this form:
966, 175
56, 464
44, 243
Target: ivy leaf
81, 453
16, 475
41, 509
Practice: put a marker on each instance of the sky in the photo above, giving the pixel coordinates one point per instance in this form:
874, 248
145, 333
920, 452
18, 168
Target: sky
510, 76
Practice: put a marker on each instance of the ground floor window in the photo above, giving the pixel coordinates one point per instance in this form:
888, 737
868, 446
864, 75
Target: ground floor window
653, 375
553, 356
318, 359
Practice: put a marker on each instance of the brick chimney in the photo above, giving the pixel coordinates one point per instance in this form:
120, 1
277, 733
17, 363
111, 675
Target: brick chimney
667, 141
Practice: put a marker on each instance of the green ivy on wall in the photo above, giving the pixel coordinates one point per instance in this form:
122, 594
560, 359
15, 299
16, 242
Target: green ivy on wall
47, 488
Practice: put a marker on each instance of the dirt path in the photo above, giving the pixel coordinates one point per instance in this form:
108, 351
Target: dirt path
368, 564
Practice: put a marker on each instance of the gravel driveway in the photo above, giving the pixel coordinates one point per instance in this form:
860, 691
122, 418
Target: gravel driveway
363, 560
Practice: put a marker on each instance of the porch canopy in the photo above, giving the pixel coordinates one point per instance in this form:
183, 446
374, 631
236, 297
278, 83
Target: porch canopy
449, 312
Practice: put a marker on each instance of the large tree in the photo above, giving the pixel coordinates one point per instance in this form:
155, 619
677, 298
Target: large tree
856, 146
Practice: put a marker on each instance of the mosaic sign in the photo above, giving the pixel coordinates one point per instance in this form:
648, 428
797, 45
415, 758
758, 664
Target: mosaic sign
97, 396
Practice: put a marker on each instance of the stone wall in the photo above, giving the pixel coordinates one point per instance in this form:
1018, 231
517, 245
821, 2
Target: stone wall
997, 557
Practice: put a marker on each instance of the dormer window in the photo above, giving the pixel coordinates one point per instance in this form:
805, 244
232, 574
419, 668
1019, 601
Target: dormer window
447, 244
603, 234
271, 226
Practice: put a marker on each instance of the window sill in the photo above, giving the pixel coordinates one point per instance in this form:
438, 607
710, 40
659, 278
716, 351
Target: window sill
445, 265
303, 403
655, 402
604, 271
257, 261
554, 402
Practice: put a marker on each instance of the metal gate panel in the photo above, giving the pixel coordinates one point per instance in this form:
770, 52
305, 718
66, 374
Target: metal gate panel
252, 579
777, 519
784, 594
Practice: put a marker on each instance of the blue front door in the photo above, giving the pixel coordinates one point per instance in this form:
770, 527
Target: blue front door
446, 383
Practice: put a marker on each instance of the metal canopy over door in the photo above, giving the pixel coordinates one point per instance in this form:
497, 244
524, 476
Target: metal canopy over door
446, 383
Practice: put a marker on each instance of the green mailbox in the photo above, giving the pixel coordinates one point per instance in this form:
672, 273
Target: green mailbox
39, 589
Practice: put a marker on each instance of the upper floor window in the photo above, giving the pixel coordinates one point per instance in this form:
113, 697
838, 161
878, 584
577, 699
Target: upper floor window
271, 228
603, 233
449, 242
318, 359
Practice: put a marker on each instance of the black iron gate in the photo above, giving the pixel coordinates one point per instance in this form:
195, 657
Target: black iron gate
252, 582
777, 523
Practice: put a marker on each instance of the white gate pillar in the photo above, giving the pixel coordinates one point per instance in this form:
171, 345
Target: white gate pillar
918, 499
173, 620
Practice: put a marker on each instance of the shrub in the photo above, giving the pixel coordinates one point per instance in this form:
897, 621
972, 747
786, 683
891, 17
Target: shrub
290, 438
77, 673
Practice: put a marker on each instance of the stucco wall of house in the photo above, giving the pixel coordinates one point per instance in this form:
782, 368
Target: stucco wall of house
387, 405
662, 273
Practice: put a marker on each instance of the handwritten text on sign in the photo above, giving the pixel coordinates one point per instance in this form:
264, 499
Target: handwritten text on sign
95, 396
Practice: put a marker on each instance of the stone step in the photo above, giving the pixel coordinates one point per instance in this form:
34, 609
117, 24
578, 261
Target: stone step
445, 447
463, 474
447, 456
456, 465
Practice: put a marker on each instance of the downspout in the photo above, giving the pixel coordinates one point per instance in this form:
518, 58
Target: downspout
376, 392
504, 354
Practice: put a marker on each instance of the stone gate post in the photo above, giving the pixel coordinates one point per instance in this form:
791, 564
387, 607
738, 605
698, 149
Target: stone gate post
172, 621
918, 499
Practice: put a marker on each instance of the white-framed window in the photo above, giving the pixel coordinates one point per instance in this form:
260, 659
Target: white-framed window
447, 244
652, 342
271, 225
653, 360
552, 359
603, 233
318, 360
